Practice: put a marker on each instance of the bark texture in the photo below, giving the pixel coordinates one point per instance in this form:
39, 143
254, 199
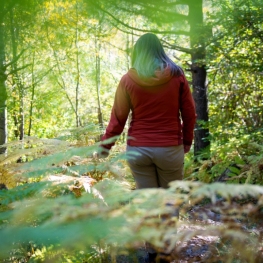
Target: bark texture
198, 69
3, 93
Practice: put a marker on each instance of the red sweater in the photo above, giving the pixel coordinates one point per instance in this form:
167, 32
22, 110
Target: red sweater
163, 110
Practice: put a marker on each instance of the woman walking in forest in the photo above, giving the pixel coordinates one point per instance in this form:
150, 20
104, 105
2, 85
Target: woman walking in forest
156, 92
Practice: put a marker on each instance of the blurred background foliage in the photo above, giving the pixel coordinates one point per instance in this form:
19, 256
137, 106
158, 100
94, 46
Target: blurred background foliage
61, 62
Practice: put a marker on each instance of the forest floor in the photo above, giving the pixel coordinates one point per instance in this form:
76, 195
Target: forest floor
198, 246
203, 248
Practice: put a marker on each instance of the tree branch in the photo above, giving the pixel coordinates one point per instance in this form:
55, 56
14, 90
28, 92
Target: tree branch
154, 8
14, 60
182, 49
179, 32
18, 69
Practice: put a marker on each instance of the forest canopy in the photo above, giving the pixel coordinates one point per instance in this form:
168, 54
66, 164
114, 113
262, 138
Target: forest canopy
62, 60
60, 64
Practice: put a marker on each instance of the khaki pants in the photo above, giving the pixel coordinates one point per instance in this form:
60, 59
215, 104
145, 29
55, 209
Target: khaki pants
154, 167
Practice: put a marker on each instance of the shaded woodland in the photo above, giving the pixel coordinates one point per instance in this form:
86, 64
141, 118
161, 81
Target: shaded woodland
60, 63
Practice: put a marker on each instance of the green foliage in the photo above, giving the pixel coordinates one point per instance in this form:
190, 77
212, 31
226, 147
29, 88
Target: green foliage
62, 205
46, 220
121, 217
235, 70
237, 161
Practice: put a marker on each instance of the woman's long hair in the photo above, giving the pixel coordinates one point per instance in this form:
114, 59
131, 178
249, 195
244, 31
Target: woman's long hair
149, 56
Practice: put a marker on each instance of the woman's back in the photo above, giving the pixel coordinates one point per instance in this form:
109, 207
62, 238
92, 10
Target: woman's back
155, 105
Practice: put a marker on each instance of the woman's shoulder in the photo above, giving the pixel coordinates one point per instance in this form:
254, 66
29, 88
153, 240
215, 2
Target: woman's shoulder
180, 77
126, 80
130, 76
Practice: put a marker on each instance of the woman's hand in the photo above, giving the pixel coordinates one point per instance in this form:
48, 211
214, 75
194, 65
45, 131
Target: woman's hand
101, 153
187, 148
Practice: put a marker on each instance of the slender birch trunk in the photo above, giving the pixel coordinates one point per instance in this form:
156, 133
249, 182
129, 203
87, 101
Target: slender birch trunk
98, 82
77, 91
3, 93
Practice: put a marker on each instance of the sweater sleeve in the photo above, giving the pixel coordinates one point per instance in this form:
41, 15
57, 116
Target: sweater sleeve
188, 114
119, 115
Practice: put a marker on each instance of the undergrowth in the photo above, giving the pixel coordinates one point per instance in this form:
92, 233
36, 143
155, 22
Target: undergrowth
62, 205
238, 161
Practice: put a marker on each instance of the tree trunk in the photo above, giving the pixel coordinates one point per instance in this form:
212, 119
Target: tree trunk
198, 69
32, 95
3, 93
97, 48
78, 120
14, 31
21, 113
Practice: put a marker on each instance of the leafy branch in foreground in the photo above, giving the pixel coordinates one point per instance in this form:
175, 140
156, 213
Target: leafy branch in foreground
69, 206
126, 219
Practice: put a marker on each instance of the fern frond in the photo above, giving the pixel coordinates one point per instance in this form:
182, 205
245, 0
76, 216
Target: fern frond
21, 192
57, 159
